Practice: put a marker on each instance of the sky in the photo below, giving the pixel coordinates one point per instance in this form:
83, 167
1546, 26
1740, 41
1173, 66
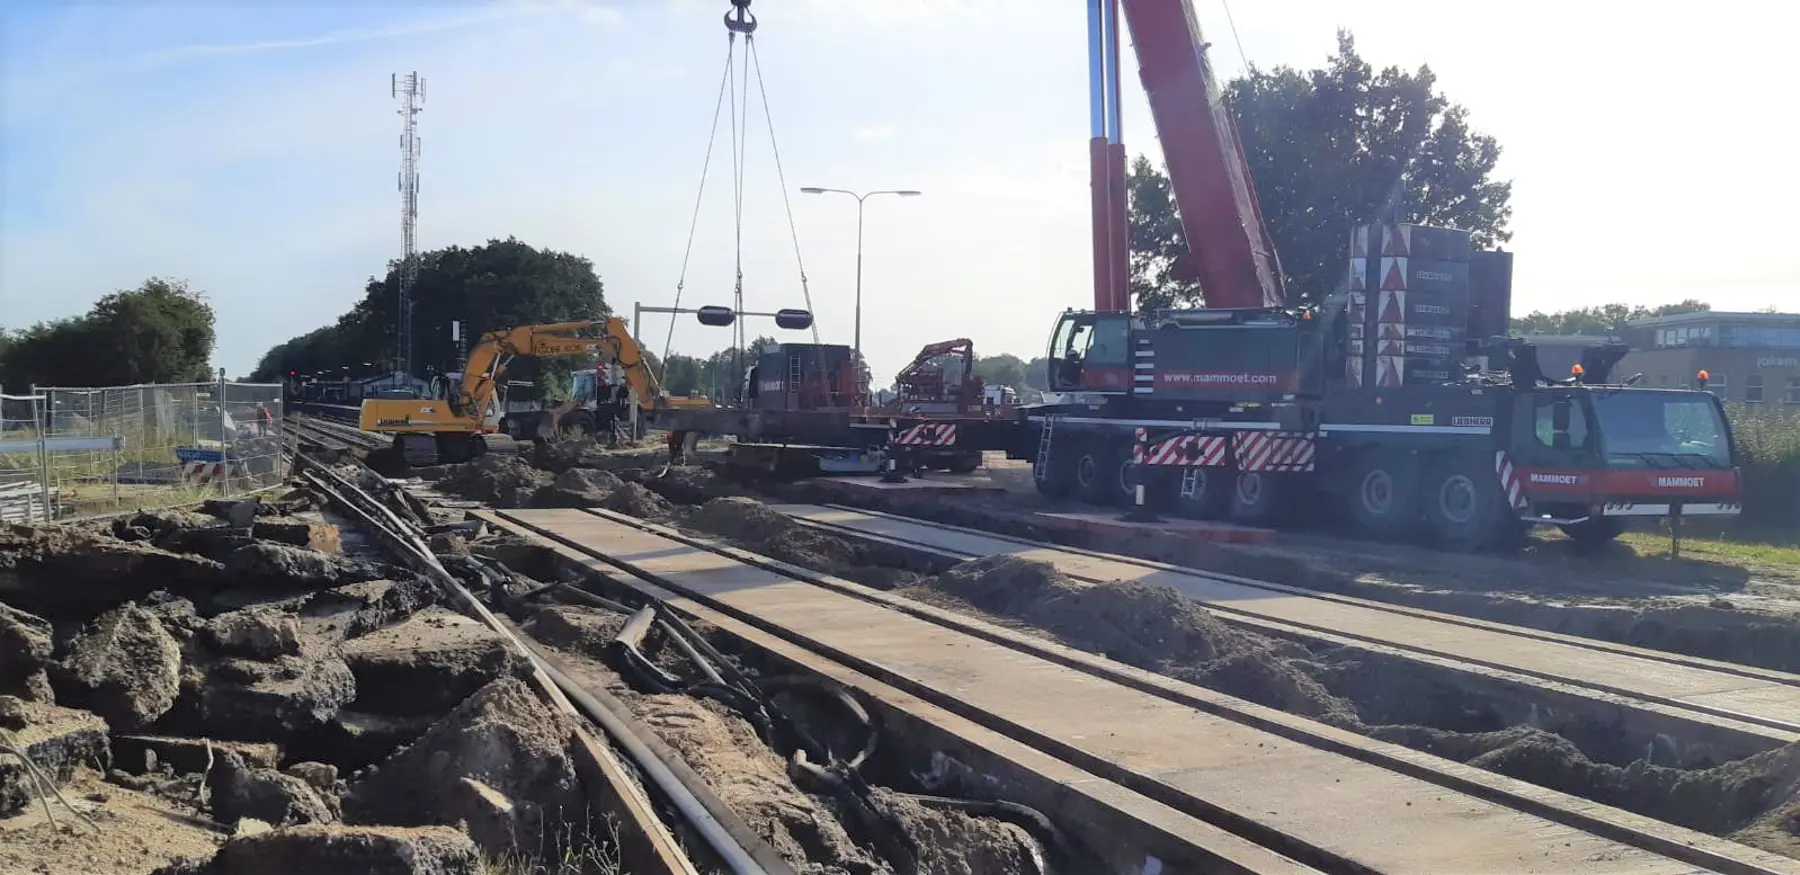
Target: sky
252, 150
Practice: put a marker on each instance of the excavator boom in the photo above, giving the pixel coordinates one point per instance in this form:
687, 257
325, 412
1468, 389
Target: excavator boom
461, 426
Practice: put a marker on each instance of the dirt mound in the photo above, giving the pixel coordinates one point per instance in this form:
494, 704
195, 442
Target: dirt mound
561, 456
1151, 627
25, 649
576, 487
1121, 619
330, 848
502, 736
691, 484
741, 519
632, 499
503, 481
953, 843
754, 526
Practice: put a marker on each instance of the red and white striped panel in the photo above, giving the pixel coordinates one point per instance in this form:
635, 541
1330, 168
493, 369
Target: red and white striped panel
1509, 480
937, 434
206, 472
1190, 450
1274, 451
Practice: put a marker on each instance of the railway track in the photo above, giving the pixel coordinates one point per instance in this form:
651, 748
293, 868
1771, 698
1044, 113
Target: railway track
1162, 775
1735, 710
621, 793
334, 435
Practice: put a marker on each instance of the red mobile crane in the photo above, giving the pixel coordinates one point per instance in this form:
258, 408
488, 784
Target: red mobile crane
1398, 398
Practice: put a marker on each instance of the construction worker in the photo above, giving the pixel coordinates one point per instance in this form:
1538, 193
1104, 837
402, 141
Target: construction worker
264, 419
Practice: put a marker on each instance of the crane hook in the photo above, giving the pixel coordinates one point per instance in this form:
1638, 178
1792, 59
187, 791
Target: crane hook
739, 19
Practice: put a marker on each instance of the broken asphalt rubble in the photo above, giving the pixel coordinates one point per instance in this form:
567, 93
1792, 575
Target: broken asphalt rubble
318, 708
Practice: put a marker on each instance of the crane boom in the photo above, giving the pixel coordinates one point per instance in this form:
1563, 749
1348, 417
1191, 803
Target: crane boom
1230, 252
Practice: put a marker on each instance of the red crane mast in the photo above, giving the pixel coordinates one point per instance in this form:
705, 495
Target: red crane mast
1231, 254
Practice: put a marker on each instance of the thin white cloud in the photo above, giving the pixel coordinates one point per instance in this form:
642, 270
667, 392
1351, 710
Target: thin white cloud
882, 131
341, 37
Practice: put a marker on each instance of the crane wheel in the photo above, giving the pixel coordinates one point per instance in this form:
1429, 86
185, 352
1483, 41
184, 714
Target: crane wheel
1463, 504
1259, 498
1381, 493
965, 463
1096, 472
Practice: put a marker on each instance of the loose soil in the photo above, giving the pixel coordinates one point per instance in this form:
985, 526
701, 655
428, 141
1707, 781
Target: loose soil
138, 832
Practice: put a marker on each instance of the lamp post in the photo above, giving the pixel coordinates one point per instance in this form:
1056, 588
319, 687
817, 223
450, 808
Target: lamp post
857, 344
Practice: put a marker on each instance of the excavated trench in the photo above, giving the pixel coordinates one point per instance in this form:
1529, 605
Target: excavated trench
1754, 799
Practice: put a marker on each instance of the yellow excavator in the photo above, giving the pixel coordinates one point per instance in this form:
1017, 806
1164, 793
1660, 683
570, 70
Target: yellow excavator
466, 423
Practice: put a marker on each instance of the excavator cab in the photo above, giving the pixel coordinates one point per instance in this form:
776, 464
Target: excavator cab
1091, 352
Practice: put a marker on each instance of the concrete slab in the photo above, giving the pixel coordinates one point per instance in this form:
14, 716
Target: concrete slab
1111, 525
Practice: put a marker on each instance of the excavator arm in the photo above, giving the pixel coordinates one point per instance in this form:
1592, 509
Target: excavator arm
465, 411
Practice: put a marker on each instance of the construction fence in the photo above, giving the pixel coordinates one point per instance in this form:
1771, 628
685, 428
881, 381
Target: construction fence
69, 454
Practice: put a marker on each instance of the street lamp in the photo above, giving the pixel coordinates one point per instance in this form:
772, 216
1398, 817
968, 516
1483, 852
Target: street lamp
907, 192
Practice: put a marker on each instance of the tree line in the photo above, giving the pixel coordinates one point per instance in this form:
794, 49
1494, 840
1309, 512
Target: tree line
500, 284
160, 332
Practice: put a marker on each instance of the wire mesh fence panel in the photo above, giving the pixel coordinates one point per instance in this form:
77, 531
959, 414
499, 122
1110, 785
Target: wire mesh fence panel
25, 493
255, 413
119, 448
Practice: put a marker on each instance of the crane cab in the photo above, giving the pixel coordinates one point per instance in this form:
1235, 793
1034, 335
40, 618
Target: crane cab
1091, 352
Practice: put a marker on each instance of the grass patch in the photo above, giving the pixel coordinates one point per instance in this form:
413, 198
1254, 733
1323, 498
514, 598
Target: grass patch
1768, 451
1742, 550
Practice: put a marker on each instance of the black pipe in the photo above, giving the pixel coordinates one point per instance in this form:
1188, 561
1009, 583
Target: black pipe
703, 814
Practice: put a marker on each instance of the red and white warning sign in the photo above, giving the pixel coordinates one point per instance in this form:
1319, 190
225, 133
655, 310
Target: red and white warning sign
1396, 240
1393, 274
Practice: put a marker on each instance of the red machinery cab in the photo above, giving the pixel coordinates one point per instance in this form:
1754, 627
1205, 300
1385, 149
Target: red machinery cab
1586, 457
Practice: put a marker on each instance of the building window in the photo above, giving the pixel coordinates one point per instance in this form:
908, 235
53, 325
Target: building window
1715, 384
1663, 381
1793, 390
1759, 337
1753, 389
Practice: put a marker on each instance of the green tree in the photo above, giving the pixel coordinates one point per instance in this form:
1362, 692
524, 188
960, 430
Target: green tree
160, 332
500, 284
1601, 321
1037, 374
1004, 369
1329, 149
